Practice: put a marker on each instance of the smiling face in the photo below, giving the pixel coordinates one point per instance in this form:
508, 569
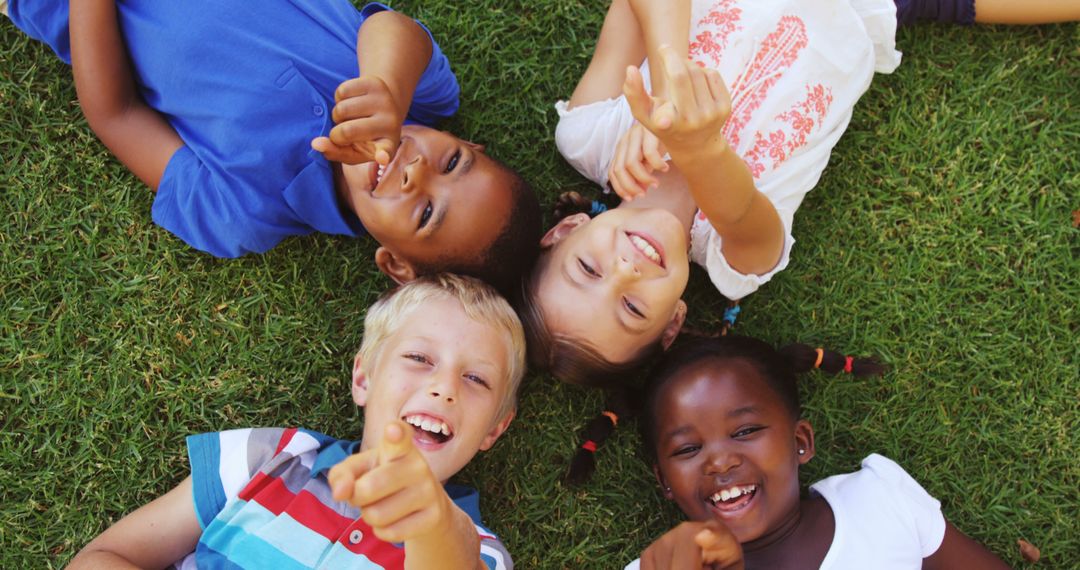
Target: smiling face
440, 200
728, 448
615, 281
444, 373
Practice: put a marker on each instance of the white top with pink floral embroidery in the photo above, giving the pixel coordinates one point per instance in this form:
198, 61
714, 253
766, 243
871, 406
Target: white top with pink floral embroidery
794, 68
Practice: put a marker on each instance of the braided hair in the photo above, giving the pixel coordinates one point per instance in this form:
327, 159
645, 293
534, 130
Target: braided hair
778, 367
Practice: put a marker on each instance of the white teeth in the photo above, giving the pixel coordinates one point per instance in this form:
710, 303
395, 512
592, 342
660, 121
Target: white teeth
732, 493
427, 424
379, 173
645, 248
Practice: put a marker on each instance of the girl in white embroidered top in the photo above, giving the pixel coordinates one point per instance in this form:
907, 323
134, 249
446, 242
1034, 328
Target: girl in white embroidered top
747, 99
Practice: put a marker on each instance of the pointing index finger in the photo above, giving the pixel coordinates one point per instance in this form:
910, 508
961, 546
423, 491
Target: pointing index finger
396, 441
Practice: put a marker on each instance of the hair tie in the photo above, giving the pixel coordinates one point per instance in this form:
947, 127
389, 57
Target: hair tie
847, 364
597, 208
820, 356
730, 314
611, 416
589, 446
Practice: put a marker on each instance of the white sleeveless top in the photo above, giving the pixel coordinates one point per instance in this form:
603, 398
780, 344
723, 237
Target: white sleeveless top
794, 68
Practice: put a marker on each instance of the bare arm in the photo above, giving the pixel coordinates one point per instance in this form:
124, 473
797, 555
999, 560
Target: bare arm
958, 551
689, 123
154, 536
1028, 12
393, 51
456, 545
136, 134
663, 22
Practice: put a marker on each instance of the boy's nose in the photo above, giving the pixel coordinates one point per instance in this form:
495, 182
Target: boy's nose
444, 387
415, 172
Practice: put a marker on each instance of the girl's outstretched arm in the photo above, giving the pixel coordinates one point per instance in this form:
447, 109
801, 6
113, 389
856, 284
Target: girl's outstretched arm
620, 44
136, 134
958, 551
689, 123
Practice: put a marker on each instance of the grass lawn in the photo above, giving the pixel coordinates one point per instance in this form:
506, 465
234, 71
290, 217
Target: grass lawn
941, 238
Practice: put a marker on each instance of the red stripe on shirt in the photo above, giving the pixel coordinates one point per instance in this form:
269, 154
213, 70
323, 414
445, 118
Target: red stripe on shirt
270, 492
286, 437
383, 553
309, 511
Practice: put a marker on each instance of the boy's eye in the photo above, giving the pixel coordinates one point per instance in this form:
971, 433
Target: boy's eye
633, 308
743, 432
417, 357
426, 215
477, 380
450, 166
588, 269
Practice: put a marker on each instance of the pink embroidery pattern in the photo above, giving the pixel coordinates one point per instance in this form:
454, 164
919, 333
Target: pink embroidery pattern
724, 19
796, 125
777, 53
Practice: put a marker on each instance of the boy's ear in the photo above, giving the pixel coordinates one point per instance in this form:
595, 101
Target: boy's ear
563, 229
394, 266
359, 383
497, 430
804, 441
663, 483
671, 331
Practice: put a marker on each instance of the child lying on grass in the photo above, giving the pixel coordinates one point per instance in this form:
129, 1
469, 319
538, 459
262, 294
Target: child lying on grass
228, 112
722, 423
437, 374
747, 104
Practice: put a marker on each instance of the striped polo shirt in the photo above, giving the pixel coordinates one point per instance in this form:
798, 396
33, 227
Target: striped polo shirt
263, 501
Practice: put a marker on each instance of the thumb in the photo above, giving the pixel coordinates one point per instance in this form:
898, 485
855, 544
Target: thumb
719, 547
384, 150
641, 103
396, 442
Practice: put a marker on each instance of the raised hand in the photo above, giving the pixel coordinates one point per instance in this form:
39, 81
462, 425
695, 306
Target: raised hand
368, 123
394, 488
694, 546
638, 154
690, 118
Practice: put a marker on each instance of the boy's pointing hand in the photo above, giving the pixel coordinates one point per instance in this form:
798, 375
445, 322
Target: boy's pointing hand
368, 123
394, 488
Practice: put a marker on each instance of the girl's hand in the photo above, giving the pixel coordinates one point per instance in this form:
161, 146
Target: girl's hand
368, 123
638, 154
694, 546
689, 120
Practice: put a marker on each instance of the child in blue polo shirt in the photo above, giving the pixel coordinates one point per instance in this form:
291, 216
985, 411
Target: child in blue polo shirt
437, 374
229, 113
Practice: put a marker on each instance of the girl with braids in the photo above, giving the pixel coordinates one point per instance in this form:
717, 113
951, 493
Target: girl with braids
747, 100
722, 425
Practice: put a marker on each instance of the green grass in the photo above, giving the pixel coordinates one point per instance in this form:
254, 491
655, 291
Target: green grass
940, 238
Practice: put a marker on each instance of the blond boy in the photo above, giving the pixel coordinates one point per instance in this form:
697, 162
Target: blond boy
437, 374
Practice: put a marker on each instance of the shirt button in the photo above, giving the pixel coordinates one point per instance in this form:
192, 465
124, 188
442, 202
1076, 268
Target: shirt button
318, 110
355, 536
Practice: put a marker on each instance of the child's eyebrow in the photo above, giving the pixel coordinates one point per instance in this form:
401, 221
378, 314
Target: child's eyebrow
743, 411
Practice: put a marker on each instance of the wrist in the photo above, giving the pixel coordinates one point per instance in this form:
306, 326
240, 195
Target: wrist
694, 153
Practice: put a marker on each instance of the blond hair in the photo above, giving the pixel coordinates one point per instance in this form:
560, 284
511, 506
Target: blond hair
480, 302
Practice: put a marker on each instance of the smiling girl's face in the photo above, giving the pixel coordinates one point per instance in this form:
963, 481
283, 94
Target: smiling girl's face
615, 281
727, 447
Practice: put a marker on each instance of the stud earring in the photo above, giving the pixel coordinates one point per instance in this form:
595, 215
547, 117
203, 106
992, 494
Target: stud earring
802, 452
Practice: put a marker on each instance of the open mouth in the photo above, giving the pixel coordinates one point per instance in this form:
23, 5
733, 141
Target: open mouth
429, 429
733, 498
648, 247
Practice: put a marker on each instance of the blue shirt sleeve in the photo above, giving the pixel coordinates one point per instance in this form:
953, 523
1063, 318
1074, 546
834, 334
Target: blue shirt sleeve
437, 95
221, 217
